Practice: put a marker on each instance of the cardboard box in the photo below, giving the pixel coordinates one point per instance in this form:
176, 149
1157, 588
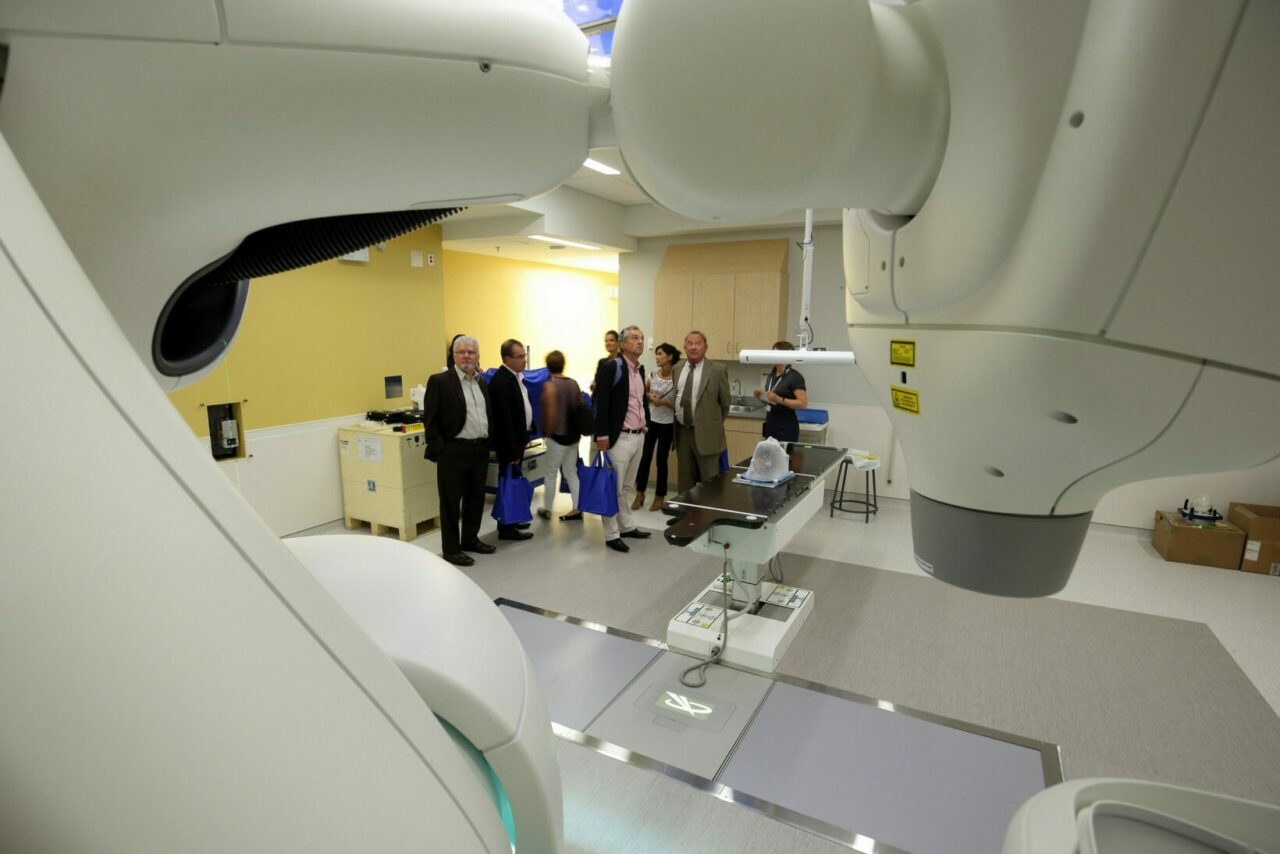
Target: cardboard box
1192, 542
1261, 526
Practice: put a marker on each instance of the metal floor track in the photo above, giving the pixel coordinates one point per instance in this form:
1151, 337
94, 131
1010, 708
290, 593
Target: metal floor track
871, 775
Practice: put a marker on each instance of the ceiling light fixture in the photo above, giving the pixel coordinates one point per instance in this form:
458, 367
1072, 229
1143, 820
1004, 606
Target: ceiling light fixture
546, 239
600, 167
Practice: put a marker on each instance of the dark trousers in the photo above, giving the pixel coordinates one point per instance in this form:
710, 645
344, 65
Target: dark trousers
460, 477
659, 436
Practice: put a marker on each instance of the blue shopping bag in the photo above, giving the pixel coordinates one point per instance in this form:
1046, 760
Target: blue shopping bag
598, 486
515, 494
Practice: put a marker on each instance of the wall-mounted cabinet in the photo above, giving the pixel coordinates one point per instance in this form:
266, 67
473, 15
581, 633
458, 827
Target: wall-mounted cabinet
735, 293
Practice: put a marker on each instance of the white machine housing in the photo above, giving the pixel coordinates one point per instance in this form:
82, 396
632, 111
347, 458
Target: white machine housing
1098, 815
175, 680
1056, 184
192, 124
1068, 208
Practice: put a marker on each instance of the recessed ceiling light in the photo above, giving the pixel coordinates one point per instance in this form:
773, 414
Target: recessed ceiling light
546, 239
600, 167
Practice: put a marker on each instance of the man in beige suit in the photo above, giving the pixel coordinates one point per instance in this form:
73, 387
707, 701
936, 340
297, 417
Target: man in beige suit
702, 403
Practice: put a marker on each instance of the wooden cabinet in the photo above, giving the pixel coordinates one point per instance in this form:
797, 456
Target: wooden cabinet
672, 309
713, 300
742, 435
759, 311
386, 482
735, 293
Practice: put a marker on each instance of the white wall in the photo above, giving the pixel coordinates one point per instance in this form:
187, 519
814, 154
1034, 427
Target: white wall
289, 474
1135, 504
858, 421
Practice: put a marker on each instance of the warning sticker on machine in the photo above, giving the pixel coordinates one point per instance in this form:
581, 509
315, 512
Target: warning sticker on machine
902, 353
906, 399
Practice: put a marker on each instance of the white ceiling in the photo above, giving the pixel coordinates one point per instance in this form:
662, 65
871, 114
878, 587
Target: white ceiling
607, 211
615, 188
519, 248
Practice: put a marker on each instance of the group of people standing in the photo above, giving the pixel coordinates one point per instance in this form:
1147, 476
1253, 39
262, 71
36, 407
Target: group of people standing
464, 418
634, 419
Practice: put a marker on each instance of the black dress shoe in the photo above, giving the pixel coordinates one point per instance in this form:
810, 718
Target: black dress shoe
617, 545
459, 559
637, 534
514, 535
571, 517
523, 525
479, 548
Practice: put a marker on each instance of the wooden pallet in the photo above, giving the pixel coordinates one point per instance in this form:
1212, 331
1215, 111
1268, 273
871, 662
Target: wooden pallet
407, 533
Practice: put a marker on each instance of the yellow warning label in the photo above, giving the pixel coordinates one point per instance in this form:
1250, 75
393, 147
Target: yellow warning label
902, 353
906, 399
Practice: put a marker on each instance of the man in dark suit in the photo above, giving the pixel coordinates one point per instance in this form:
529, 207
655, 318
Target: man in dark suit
512, 418
456, 417
622, 413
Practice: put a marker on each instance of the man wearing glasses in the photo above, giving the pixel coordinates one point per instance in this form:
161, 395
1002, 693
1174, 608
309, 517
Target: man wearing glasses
512, 419
456, 417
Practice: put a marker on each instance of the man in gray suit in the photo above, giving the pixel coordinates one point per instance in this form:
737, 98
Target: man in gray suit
702, 404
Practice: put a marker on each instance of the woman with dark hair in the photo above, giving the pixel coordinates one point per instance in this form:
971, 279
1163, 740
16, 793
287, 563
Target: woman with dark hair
611, 351
561, 399
662, 417
783, 394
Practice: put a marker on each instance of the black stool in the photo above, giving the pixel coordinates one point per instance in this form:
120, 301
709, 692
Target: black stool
869, 503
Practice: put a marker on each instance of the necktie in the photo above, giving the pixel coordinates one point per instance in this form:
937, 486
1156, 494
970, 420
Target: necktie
686, 399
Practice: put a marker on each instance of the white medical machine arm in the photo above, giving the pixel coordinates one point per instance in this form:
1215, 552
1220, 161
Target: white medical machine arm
1060, 250
160, 134
174, 678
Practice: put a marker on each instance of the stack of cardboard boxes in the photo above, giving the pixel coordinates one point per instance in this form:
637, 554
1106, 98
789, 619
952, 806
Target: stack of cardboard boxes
1249, 539
1261, 525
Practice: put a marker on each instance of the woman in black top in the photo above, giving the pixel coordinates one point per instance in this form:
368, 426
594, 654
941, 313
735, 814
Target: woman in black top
784, 392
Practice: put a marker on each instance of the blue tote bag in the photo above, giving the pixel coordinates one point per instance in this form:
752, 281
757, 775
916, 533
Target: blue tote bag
515, 494
598, 486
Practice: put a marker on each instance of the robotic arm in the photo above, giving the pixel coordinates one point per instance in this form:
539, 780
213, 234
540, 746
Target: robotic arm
1058, 242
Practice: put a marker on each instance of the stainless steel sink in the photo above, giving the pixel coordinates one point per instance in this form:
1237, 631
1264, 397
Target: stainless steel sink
739, 409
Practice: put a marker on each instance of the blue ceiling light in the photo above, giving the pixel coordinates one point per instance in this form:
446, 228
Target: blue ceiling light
586, 12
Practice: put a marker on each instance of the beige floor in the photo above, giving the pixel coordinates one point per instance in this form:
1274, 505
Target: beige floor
1117, 568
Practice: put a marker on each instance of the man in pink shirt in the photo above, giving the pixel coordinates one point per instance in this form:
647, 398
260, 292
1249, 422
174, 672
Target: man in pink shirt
622, 411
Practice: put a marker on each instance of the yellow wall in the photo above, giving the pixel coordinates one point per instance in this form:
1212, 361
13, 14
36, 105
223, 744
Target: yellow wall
316, 343
546, 307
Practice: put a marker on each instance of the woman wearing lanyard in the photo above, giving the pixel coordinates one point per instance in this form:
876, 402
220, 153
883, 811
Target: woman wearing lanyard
784, 393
